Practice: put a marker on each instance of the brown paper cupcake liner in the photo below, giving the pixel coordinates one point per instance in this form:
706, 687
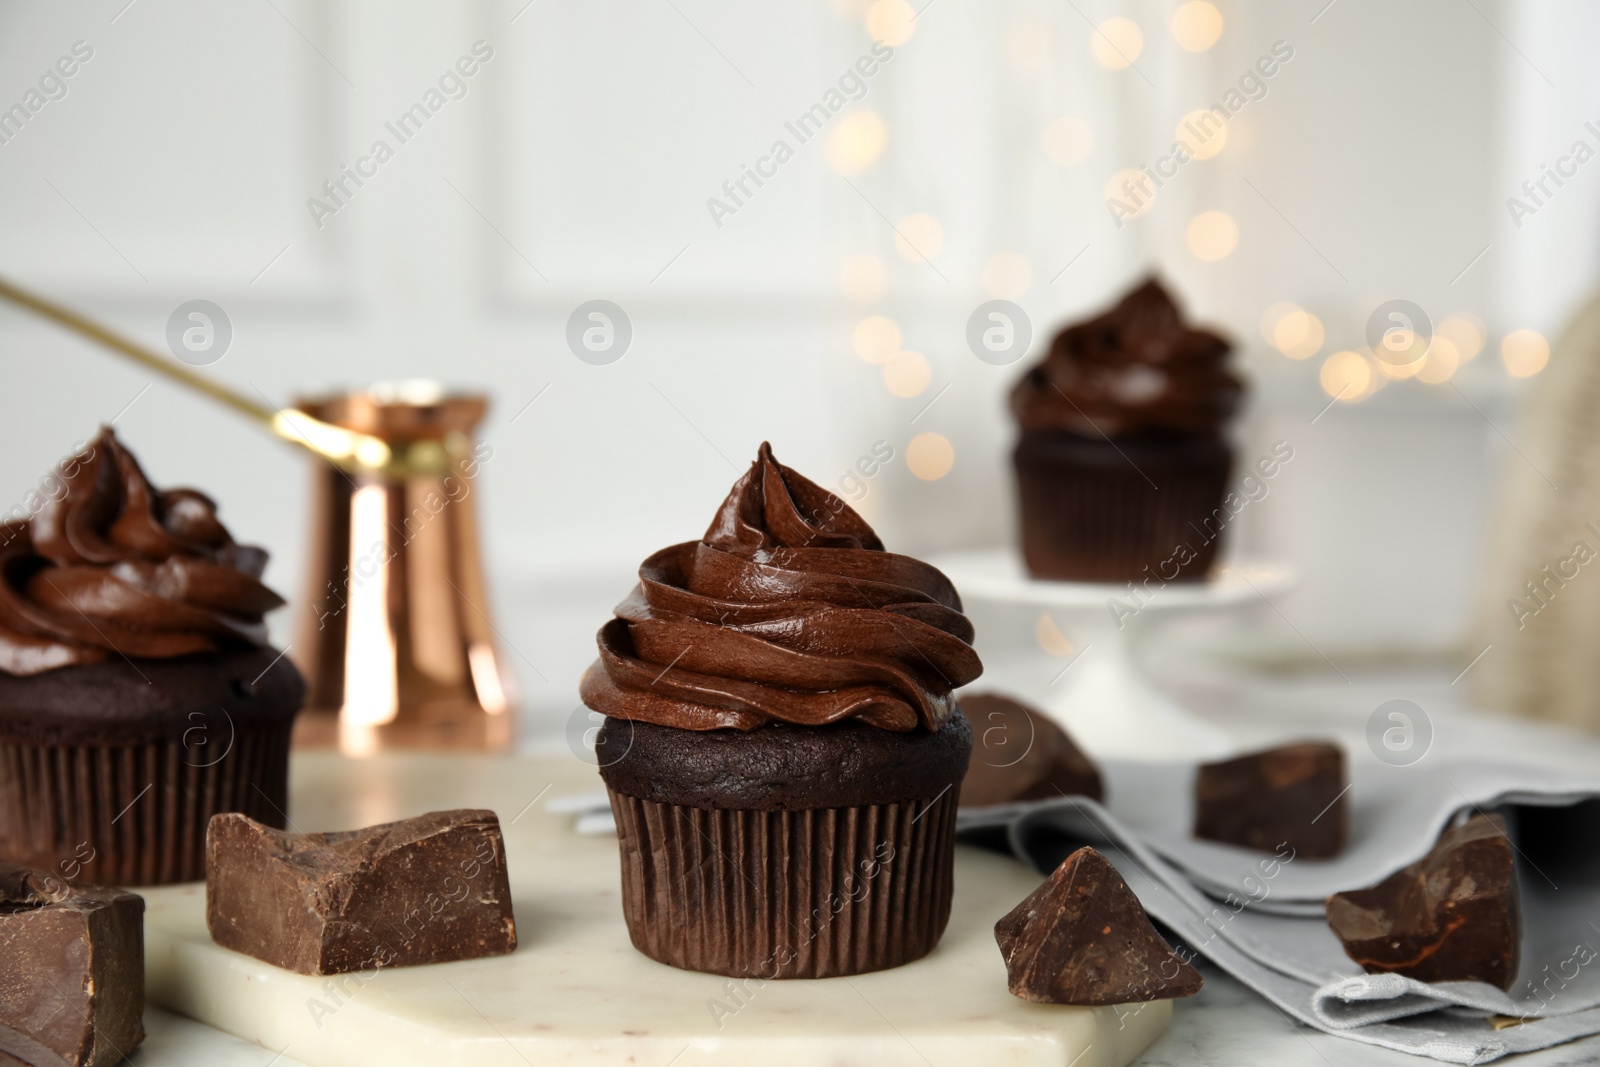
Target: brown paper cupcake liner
813, 893
134, 814
1104, 522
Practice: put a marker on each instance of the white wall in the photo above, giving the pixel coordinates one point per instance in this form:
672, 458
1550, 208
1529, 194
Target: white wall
577, 165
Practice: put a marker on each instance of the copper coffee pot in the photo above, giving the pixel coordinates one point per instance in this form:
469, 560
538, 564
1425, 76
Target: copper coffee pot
395, 640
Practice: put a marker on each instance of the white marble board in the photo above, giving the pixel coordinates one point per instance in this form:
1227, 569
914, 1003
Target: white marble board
577, 992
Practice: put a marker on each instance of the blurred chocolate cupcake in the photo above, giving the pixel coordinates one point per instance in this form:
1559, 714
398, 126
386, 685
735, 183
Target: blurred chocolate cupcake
1122, 465
783, 750
138, 695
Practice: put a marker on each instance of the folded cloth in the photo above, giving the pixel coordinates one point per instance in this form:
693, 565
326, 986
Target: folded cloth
1396, 815
1259, 916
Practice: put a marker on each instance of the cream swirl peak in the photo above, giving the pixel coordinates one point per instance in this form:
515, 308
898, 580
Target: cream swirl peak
1137, 367
113, 566
788, 610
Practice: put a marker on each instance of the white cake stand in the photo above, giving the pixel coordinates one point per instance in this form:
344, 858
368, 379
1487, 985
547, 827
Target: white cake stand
1102, 696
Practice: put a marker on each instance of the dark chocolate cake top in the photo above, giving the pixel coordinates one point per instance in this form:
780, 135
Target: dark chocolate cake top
781, 767
787, 610
110, 565
1135, 368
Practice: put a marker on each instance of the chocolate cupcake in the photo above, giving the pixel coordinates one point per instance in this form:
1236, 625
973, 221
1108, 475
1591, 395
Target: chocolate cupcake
782, 747
138, 696
1122, 465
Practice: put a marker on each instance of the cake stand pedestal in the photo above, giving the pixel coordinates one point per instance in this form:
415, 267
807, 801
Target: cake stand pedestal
1102, 695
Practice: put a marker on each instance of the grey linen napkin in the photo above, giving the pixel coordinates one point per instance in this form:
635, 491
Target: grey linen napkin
1259, 916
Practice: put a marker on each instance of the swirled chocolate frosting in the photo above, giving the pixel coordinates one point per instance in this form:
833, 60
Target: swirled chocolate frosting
1136, 368
111, 566
787, 610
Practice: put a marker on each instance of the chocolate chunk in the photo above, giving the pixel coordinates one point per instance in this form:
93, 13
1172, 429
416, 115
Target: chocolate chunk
1021, 754
1452, 916
1083, 938
71, 971
1293, 794
425, 890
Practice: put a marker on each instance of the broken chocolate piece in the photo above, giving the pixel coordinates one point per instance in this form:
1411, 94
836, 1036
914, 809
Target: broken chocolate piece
1291, 795
424, 890
1021, 754
1083, 938
71, 971
1454, 915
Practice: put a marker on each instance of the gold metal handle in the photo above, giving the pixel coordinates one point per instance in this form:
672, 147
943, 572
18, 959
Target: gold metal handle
347, 449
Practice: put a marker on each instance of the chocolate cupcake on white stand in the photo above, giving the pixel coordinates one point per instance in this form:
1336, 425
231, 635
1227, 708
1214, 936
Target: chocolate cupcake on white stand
1123, 473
